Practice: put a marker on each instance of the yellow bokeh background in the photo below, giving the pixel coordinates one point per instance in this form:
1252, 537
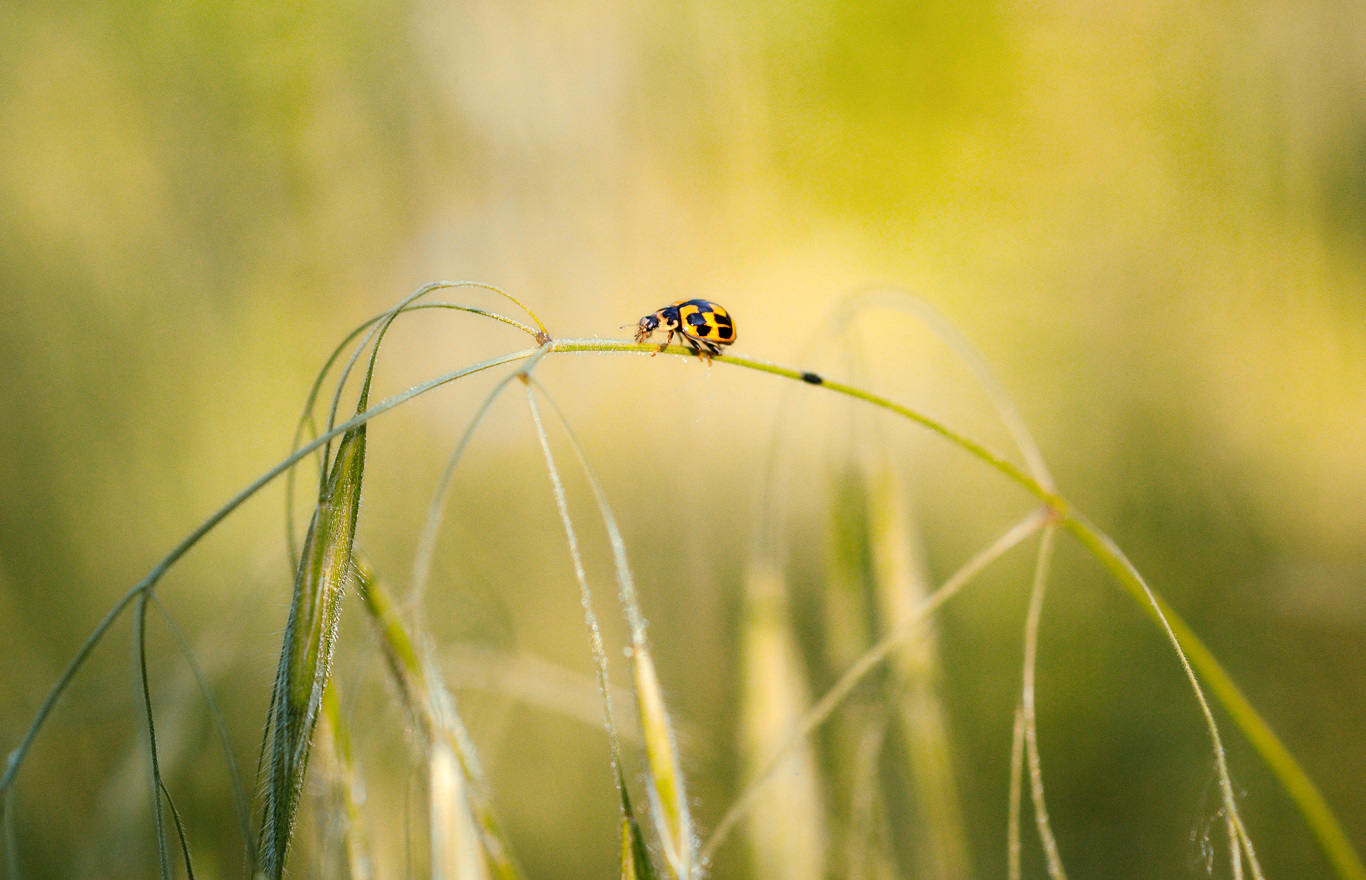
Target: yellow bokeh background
1151, 218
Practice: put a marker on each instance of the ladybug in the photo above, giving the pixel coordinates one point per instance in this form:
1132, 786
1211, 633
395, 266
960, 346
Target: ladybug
702, 325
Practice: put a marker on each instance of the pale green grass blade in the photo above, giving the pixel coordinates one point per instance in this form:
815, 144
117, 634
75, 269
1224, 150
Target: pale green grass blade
306, 420
787, 826
901, 583
668, 798
870, 660
433, 710
457, 853
343, 828
309, 643
1031, 737
180, 832
431, 526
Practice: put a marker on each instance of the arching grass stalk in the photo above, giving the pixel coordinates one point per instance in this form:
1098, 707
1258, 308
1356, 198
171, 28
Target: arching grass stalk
306, 421
635, 857
1192, 652
17, 756
855, 674
1027, 713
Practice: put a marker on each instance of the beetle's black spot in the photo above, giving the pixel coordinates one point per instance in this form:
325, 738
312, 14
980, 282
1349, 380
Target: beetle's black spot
724, 320
812, 378
703, 330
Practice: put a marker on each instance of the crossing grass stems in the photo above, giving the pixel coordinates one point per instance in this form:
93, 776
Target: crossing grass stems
327, 563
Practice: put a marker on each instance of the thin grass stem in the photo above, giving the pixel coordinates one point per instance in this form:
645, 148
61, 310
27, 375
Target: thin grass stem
431, 526
140, 639
585, 594
1195, 655
1031, 736
16, 757
1013, 847
179, 831
306, 417
220, 727
869, 661
904, 301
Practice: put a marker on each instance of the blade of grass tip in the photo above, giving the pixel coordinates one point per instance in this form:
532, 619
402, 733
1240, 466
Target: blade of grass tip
1031, 736
787, 828
1013, 846
431, 526
667, 794
220, 728
867, 663
179, 831
140, 639
306, 422
668, 797
433, 711
456, 850
16, 757
901, 582
585, 594
635, 856
309, 642
347, 790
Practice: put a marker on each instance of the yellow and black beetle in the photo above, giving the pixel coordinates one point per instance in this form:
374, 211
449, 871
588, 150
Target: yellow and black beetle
703, 326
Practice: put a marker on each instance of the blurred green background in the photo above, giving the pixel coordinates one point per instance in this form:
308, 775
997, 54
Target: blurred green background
1150, 216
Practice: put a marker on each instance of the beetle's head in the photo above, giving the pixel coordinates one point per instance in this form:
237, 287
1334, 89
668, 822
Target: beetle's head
648, 325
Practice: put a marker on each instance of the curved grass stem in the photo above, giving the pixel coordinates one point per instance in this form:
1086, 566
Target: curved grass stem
1195, 657
1031, 732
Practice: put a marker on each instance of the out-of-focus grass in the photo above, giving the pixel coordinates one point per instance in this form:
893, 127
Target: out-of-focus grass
1150, 216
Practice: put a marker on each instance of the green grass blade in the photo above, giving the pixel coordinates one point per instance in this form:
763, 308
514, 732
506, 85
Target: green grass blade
870, 660
786, 829
343, 786
309, 643
179, 831
668, 796
433, 710
901, 582
635, 856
